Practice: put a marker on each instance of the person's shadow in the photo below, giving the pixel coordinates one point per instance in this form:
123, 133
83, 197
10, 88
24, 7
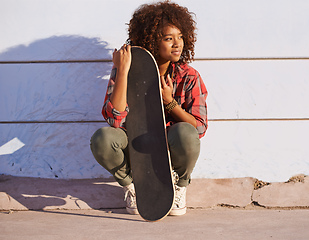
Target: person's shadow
53, 108
48, 195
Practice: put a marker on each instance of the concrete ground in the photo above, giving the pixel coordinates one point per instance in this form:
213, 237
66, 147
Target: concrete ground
241, 208
215, 223
25, 193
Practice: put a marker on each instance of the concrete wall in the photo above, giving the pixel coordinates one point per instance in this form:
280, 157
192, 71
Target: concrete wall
255, 66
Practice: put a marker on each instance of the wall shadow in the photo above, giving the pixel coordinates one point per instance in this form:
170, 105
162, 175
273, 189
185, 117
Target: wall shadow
48, 92
54, 91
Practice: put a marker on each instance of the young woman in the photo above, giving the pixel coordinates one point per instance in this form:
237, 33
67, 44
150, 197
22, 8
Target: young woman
167, 30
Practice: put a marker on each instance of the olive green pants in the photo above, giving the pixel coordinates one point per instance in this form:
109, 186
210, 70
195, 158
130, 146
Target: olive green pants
109, 147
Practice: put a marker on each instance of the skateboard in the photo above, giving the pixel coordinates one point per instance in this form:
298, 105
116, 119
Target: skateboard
148, 149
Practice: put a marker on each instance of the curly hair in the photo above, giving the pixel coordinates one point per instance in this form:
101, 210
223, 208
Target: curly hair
147, 23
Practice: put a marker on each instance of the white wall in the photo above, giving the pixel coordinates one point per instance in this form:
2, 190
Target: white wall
254, 105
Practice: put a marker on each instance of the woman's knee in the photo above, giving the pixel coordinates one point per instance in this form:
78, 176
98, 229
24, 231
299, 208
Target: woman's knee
100, 137
108, 146
108, 137
183, 135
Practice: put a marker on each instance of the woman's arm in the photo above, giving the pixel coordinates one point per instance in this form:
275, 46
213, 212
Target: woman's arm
122, 61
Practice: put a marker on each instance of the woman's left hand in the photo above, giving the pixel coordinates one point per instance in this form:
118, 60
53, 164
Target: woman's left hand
179, 114
166, 89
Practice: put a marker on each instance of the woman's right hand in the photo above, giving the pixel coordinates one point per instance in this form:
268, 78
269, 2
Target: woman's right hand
122, 61
122, 58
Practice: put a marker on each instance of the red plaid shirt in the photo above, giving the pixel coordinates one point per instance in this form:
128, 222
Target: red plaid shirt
189, 91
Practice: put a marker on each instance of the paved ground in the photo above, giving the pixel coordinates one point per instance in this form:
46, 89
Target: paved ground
215, 223
244, 208
22, 193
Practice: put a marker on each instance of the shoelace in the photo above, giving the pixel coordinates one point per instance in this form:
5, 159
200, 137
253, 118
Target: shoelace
129, 194
179, 196
175, 177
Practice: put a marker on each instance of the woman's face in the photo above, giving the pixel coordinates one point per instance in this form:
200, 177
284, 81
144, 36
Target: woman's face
171, 45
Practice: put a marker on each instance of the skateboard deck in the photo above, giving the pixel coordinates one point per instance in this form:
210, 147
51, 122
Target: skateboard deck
146, 129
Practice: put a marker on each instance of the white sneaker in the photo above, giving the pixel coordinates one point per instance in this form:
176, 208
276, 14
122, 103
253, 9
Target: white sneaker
130, 199
179, 207
175, 177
